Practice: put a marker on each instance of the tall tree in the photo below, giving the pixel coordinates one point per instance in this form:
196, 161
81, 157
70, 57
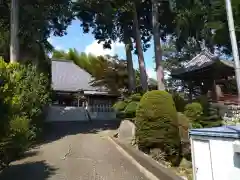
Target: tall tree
142, 68
14, 43
37, 21
128, 50
211, 28
157, 44
109, 25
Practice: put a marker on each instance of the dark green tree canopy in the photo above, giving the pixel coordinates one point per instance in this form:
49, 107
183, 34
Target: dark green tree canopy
113, 20
38, 19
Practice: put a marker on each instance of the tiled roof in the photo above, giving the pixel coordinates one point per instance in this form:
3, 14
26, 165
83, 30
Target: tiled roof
223, 131
66, 76
200, 61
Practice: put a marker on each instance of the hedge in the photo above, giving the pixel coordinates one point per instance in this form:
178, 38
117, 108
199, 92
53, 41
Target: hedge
193, 111
130, 110
157, 125
24, 93
119, 106
135, 97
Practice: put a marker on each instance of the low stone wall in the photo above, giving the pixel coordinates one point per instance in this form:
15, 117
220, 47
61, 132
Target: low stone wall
71, 113
228, 112
66, 113
233, 113
106, 116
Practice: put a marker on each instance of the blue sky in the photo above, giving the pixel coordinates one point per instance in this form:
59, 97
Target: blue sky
75, 38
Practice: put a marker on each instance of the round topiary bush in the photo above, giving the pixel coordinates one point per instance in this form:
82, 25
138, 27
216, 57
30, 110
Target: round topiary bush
130, 110
119, 106
193, 111
157, 125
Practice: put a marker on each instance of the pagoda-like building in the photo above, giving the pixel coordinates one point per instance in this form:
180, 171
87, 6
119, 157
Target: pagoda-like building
211, 75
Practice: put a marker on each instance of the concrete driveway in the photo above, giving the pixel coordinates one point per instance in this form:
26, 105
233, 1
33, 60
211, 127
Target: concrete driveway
74, 151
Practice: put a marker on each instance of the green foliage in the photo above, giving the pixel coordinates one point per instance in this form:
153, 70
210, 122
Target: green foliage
212, 27
193, 111
16, 139
135, 97
208, 124
203, 100
48, 17
157, 126
180, 103
120, 106
24, 92
130, 110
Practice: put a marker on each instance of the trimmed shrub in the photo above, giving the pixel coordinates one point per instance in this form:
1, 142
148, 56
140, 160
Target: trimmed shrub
130, 110
211, 123
193, 111
119, 106
157, 126
24, 93
180, 103
136, 97
120, 114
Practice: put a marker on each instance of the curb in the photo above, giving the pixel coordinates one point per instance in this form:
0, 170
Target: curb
142, 169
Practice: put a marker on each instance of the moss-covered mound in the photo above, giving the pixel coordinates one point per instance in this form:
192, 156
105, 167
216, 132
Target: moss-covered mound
157, 125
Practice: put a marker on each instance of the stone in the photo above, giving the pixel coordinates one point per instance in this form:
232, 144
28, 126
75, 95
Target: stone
185, 163
126, 132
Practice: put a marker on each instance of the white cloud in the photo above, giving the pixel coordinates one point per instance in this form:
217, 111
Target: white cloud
97, 49
58, 48
151, 73
50, 40
167, 74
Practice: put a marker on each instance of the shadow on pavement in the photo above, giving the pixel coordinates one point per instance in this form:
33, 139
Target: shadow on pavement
39, 170
30, 153
58, 130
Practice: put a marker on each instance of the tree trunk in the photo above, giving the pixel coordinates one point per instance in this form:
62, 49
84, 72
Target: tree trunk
157, 45
131, 73
14, 43
142, 68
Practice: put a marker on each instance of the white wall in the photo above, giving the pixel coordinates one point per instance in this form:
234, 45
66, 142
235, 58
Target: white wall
100, 112
69, 113
66, 113
225, 163
103, 116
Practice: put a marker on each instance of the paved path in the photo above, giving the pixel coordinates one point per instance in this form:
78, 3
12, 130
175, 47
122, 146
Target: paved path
74, 151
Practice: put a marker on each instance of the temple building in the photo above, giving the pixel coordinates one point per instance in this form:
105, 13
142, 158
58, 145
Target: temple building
211, 75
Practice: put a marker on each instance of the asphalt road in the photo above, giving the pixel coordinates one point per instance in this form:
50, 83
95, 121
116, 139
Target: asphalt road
74, 151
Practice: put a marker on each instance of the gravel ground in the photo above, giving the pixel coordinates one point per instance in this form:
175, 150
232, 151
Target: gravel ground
74, 151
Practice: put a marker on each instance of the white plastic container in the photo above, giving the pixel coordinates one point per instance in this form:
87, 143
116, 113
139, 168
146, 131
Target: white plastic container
216, 153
